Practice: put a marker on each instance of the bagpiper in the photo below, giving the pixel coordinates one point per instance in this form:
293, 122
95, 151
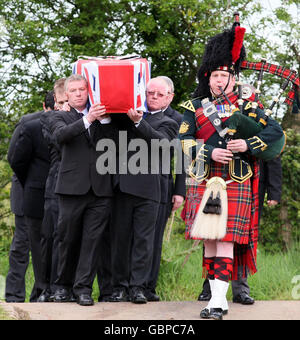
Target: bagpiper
223, 134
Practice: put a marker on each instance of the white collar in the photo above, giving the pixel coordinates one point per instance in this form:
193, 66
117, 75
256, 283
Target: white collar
154, 112
162, 110
84, 112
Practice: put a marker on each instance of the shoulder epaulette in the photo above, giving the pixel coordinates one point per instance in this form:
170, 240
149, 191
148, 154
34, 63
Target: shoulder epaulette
188, 105
248, 105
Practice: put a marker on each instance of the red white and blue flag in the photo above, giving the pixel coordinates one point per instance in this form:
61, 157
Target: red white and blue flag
119, 84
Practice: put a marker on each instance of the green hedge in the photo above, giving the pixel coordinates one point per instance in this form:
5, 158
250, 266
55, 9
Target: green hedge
280, 225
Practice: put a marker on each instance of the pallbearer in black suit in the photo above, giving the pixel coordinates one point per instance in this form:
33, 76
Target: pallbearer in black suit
29, 159
172, 193
49, 237
137, 197
20, 247
84, 194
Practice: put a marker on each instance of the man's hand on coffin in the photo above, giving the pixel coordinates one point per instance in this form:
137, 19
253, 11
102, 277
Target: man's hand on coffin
237, 145
97, 111
221, 155
135, 116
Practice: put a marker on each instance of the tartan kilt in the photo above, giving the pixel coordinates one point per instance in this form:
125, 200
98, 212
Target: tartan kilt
242, 223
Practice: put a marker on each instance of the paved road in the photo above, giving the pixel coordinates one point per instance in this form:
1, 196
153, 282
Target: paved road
180, 310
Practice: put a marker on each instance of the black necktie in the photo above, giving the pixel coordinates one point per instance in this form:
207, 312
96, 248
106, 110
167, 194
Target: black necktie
94, 131
146, 114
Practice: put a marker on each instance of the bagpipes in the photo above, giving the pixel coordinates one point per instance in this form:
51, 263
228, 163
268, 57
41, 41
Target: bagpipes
245, 126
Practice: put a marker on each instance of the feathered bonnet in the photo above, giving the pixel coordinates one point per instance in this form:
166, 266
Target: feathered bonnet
225, 51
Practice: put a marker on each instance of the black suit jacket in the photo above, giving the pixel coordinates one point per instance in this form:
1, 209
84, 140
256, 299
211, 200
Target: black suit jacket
55, 156
29, 159
77, 171
171, 187
270, 180
16, 191
156, 126
16, 196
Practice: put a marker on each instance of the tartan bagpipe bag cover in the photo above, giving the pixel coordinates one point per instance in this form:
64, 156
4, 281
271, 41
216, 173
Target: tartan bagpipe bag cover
119, 83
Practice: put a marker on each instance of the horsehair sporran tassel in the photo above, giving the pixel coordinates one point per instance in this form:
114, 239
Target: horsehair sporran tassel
217, 203
213, 205
208, 208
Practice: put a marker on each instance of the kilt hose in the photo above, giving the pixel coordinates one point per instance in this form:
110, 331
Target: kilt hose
242, 223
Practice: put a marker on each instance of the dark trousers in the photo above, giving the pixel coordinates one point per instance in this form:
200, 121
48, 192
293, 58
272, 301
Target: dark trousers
18, 262
162, 218
34, 229
240, 285
49, 243
104, 275
82, 221
132, 228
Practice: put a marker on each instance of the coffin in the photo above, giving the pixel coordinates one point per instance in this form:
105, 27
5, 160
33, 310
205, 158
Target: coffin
117, 82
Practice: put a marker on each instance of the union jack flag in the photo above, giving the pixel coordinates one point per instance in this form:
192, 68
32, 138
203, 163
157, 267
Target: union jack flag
119, 84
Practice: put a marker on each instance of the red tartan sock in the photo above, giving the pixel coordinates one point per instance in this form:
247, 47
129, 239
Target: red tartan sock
209, 265
223, 268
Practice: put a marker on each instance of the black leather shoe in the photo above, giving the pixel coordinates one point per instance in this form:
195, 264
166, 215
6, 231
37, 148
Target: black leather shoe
137, 295
104, 298
85, 300
151, 296
204, 296
63, 295
45, 296
204, 313
207, 314
73, 298
244, 299
216, 314
119, 295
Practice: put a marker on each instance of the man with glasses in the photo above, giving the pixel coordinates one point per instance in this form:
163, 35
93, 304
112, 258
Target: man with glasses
172, 192
137, 197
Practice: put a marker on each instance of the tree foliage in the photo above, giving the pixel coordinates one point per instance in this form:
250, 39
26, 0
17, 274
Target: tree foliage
42, 38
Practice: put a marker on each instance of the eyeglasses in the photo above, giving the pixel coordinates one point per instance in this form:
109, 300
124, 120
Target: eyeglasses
160, 95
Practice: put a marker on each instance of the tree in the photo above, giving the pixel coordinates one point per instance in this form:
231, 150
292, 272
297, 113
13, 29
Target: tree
42, 38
